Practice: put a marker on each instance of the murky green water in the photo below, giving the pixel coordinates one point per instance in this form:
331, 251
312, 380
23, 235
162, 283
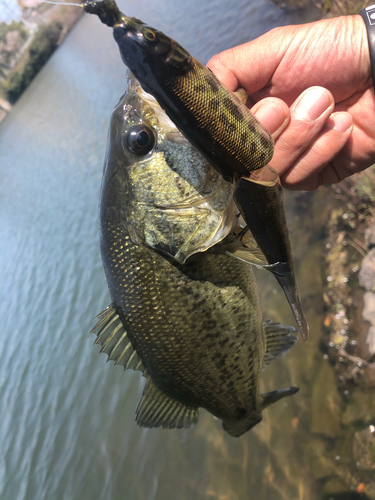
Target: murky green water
67, 419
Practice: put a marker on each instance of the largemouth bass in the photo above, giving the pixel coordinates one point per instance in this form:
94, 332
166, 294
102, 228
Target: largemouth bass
219, 125
184, 311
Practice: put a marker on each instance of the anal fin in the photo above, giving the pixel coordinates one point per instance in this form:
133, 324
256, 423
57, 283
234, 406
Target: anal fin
113, 339
156, 409
278, 340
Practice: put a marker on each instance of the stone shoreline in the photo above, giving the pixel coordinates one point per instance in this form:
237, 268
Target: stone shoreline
349, 324
67, 16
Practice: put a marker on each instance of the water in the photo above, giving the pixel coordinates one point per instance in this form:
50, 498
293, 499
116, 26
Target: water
67, 419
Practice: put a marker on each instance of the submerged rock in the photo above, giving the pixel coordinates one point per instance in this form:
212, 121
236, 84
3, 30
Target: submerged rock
364, 448
367, 273
368, 314
360, 409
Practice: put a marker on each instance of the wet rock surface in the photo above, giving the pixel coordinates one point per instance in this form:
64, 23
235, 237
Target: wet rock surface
346, 413
366, 275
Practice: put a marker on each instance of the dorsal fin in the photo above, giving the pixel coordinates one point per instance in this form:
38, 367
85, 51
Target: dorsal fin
278, 340
112, 337
156, 409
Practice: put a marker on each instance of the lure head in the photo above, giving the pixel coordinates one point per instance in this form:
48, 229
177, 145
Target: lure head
106, 10
148, 53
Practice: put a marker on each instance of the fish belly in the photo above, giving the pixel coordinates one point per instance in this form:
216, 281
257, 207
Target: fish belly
196, 327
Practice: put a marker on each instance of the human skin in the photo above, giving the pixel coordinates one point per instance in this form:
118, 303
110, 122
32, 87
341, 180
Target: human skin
311, 87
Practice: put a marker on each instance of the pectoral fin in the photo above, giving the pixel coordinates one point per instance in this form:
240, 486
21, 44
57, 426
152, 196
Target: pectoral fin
259, 198
278, 341
244, 248
156, 409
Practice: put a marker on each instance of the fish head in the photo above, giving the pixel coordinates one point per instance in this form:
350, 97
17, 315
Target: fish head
159, 185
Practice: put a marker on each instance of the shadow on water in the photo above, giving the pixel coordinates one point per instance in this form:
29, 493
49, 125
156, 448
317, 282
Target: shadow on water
68, 429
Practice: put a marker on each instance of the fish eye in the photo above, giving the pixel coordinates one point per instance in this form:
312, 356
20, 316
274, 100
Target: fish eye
149, 35
140, 140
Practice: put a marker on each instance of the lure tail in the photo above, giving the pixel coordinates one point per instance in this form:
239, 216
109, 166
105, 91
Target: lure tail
259, 198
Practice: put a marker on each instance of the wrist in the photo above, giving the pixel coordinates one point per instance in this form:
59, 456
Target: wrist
366, 26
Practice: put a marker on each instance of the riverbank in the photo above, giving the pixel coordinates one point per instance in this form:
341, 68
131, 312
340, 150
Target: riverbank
344, 260
25, 48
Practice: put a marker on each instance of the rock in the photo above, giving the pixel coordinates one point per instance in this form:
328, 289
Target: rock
368, 314
370, 236
361, 408
364, 448
320, 463
366, 274
370, 340
336, 488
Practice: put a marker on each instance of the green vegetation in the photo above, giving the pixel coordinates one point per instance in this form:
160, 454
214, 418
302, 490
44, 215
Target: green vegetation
41, 48
12, 37
13, 26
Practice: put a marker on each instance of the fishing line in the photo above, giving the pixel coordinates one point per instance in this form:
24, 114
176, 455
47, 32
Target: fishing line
63, 3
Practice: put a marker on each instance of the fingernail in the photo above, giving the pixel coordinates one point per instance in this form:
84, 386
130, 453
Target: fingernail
313, 103
340, 121
271, 116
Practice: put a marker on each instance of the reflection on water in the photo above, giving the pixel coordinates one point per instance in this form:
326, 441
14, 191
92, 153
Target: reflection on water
68, 429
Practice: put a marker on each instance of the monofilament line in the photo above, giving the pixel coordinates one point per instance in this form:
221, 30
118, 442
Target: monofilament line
63, 3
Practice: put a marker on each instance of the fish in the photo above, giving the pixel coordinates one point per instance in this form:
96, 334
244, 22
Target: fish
220, 126
185, 312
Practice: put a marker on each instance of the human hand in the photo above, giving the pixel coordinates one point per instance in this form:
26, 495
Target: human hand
327, 133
